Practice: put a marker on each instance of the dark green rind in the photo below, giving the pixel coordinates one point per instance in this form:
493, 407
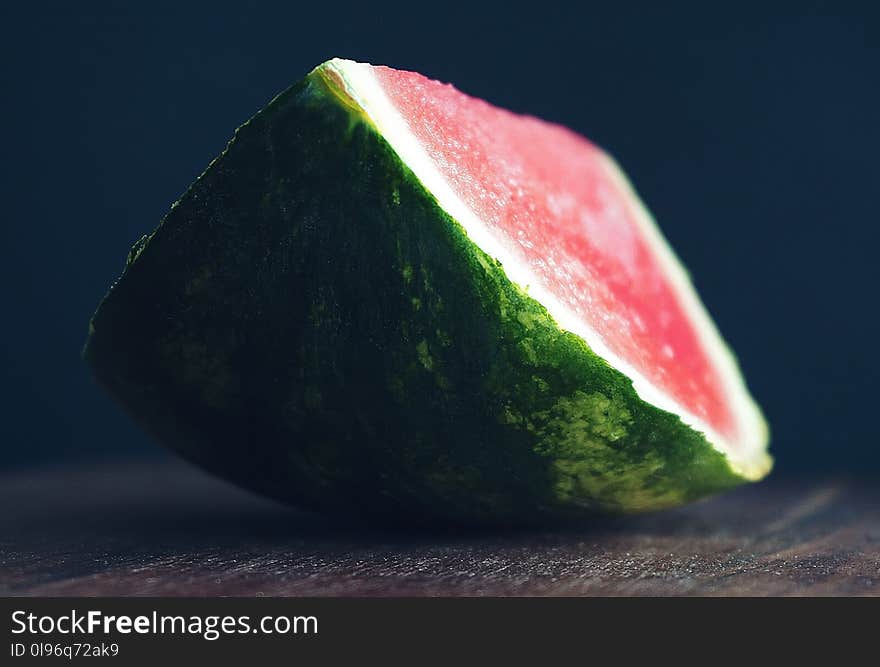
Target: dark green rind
308, 322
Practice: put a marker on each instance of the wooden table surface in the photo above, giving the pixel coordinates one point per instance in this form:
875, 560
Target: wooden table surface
163, 528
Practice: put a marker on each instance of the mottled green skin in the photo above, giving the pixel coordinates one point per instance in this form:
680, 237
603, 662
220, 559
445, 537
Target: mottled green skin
306, 321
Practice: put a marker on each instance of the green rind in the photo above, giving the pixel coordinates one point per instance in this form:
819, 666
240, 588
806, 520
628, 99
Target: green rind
308, 322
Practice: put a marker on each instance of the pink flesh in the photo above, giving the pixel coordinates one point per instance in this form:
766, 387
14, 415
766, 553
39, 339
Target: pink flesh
547, 195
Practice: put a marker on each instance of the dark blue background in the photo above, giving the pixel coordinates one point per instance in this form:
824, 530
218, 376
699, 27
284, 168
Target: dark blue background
754, 136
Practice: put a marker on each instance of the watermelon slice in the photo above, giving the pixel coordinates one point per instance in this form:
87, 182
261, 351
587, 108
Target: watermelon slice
386, 296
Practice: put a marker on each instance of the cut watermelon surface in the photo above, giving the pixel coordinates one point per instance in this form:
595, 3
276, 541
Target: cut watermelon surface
392, 296
566, 224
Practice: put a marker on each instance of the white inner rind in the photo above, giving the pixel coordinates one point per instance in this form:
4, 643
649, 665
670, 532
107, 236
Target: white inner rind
747, 452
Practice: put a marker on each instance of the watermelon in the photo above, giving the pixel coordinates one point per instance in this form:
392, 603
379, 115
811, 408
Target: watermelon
391, 299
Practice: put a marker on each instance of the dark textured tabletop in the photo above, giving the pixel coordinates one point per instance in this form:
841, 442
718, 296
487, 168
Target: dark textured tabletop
163, 528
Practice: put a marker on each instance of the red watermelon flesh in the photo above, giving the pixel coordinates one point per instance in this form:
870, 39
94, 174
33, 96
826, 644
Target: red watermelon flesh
567, 226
